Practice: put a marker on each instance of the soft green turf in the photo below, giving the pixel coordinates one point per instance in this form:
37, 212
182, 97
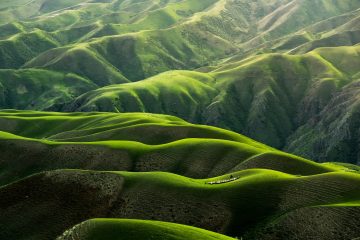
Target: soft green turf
121, 229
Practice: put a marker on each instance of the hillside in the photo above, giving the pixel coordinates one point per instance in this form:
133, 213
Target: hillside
238, 61
266, 97
132, 142
40, 89
182, 34
229, 172
179, 119
64, 198
99, 229
335, 131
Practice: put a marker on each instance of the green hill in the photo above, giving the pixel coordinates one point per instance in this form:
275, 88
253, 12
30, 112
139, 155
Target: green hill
132, 142
240, 207
334, 132
116, 229
40, 89
232, 175
264, 72
267, 97
182, 34
122, 155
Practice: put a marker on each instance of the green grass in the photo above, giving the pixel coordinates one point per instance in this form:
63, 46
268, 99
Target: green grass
336, 129
238, 208
266, 97
283, 75
134, 142
22, 47
39, 89
117, 229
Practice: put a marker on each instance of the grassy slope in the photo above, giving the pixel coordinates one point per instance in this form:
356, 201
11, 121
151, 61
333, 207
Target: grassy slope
293, 17
213, 98
39, 89
115, 229
142, 54
260, 96
132, 142
186, 40
237, 208
150, 37
22, 9
42, 147
22, 47
180, 93
278, 93
182, 35
335, 132
179, 38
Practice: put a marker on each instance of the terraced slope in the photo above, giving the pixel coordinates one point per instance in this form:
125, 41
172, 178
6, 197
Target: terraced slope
241, 207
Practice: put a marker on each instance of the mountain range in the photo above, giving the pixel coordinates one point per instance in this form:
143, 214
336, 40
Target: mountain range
269, 70
179, 119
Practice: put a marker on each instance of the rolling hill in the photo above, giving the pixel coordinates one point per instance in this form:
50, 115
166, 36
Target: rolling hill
164, 119
131, 142
137, 230
228, 172
240, 60
242, 207
40, 89
267, 97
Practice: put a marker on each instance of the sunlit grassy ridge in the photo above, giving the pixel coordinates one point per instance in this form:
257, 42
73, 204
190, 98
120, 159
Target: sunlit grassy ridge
266, 97
231, 176
138, 230
117, 42
133, 142
260, 97
262, 68
242, 207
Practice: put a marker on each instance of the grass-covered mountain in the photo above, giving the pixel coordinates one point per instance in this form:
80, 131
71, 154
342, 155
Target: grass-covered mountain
267, 97
266, 69
225, 182
149, 102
